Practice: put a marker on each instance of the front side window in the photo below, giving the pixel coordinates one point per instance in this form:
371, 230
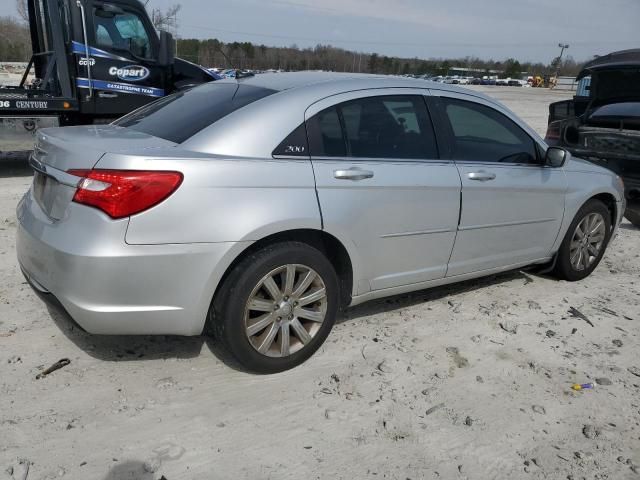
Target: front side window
396, 127
482, 134
122, 31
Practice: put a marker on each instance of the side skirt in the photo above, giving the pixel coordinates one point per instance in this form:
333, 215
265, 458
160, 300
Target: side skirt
413, 287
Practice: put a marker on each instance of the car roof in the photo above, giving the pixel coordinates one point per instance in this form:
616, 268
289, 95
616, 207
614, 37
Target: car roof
335, 82
272, 118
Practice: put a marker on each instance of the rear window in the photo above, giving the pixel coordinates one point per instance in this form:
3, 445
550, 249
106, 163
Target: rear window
181, 115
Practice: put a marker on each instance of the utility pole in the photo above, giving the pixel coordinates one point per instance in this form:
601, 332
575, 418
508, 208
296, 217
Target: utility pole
563, 47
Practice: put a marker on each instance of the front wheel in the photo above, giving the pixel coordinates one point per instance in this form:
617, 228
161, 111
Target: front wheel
276, 307
585, 242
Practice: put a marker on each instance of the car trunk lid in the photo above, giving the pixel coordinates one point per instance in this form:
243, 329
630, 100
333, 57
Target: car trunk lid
76, 148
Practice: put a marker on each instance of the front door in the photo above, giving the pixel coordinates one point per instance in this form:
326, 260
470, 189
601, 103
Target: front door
123, 52
512, 205
382, 186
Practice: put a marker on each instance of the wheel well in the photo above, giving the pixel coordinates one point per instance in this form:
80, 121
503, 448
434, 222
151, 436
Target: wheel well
323, 241
610, 202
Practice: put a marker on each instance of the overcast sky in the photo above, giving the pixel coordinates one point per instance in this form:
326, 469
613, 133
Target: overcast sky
524, 29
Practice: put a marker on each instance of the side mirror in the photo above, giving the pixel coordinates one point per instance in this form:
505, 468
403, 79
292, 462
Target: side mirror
167, 51
555, 157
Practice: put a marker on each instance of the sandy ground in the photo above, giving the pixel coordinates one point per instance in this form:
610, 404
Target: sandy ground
426, 385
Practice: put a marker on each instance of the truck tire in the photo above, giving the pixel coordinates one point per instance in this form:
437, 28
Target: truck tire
632, 213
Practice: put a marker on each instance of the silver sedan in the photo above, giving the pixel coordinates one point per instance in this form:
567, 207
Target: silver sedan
255, 209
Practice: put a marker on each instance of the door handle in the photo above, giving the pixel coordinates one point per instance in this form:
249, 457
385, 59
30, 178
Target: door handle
107, 95
481, 176
353, 173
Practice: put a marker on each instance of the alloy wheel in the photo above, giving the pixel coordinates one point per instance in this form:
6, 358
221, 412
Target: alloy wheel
587, 241
285, 310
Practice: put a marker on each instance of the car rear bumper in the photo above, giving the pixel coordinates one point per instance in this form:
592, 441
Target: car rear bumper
109, 287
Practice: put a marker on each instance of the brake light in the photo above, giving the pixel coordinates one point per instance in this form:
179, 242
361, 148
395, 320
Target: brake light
121, 193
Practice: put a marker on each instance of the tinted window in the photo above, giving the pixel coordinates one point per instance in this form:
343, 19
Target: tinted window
181, 115
374, 127
123, 31
482, 134
325, 134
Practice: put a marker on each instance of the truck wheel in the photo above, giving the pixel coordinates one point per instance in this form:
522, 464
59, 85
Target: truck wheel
585, 242
276, 307
632, 213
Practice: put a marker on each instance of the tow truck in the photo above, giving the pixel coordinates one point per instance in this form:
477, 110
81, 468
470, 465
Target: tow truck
93, 61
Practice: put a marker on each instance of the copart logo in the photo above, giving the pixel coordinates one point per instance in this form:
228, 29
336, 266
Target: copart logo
130, 73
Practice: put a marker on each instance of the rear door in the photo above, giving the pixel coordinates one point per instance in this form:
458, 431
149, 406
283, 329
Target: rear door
123, 52
512, 205
382, 186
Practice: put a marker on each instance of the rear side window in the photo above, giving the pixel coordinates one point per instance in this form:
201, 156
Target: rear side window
374, 127
181, 115
482, 134
325, 134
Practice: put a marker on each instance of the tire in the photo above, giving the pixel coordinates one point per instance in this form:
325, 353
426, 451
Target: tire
632, 213
567, 269
230, 316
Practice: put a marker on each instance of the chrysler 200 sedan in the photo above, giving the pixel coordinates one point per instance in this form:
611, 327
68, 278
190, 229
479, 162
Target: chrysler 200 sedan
255, 209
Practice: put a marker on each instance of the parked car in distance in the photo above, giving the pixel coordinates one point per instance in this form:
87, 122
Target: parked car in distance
255, 209
602, 121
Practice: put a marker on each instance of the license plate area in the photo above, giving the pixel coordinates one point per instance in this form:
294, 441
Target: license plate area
51, 195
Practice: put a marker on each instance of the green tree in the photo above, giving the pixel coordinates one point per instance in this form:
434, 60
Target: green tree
374, 61
512, 68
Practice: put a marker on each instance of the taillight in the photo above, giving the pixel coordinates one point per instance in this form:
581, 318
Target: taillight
121, 193
554, 130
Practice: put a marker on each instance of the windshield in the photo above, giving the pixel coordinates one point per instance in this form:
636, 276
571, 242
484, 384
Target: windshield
181, 115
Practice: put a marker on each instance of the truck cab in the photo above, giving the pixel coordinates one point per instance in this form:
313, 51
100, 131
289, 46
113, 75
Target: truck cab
93, 61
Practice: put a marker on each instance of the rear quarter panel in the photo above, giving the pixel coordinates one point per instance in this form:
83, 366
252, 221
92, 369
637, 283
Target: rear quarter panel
224, 199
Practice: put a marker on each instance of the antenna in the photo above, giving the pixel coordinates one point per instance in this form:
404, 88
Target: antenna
227, 58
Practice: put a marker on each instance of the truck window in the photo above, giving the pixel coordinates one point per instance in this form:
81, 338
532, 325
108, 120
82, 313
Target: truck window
584, 87
181, 115
122, 31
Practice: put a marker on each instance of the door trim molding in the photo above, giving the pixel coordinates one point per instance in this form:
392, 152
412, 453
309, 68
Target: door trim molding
421, 232
507, 224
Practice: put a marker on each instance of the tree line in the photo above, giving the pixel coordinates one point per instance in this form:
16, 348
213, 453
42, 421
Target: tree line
247, 55
15, 46
15, 43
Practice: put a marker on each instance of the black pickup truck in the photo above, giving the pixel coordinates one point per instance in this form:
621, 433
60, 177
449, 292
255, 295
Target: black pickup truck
602, 122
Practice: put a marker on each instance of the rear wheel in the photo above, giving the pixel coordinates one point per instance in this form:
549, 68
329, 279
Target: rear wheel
585, 242
276, 307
